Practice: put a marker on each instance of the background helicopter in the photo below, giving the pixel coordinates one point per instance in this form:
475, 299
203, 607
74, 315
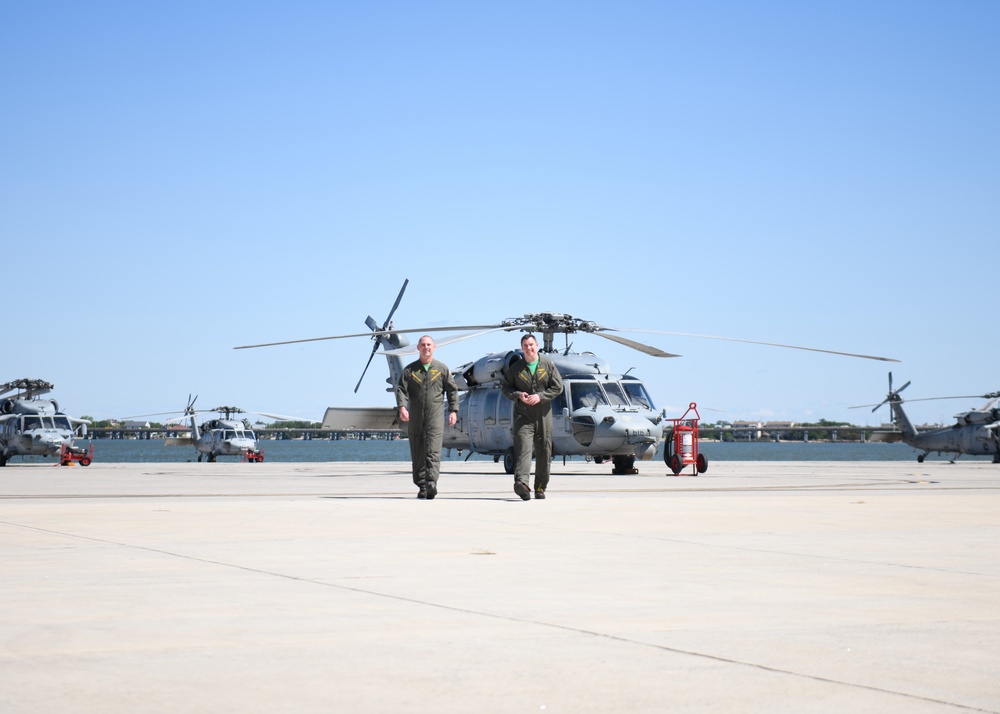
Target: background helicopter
226, 435
975, 432
30, 426
601, 414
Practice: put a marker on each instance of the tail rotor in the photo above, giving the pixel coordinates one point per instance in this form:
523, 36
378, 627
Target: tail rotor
378, 338
891, 398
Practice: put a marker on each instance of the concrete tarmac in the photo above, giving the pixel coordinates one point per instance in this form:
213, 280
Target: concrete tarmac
328, 587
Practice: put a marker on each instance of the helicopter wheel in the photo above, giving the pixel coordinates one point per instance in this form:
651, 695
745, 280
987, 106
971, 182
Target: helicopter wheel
920, 458
623, 465
199, 458
509, 462
702, 463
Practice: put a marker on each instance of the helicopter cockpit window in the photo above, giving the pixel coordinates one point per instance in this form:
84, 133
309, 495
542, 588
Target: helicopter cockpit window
637, 393
32, 422
229, 434
616, 397
586, 395
62, 422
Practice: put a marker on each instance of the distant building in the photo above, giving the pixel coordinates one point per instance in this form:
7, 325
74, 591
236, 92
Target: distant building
777, 429
747, 429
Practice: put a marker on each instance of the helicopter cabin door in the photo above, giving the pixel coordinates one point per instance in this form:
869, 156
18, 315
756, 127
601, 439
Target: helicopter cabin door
489, 420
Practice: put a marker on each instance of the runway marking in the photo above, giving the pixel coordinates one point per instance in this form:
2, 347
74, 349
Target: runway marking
511, 618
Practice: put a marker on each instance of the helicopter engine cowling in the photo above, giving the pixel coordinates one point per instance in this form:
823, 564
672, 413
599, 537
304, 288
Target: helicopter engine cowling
986, 416
485, 370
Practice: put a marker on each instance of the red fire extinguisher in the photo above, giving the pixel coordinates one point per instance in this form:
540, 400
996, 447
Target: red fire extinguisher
681, 445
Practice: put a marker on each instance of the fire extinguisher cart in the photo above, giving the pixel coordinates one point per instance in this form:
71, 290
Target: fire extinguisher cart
681, 444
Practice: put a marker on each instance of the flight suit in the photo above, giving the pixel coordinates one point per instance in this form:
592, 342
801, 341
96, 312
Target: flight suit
421, 392
533, 422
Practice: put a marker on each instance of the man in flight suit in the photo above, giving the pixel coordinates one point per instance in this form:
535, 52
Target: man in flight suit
419, 399
532, 382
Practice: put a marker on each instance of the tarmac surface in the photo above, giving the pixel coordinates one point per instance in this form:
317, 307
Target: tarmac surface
328, 587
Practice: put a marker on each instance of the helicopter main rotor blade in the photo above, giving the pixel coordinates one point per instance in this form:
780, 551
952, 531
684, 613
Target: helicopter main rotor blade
647, 349
280, 417
758, 342
375, 333
412, 349
922, 399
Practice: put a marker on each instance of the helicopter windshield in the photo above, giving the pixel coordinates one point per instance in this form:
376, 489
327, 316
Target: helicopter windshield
238, 434
637, 393
616, 396
62, 422
586, 395
31, 422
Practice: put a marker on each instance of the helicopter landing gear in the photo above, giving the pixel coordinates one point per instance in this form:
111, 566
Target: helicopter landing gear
508, 460
920, 458
3, 459
624, 465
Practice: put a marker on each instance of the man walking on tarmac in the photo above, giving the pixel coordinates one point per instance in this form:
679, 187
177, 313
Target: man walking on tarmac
419, 399
532, 382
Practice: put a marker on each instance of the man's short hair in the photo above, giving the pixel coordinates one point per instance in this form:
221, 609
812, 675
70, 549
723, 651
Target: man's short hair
529, 336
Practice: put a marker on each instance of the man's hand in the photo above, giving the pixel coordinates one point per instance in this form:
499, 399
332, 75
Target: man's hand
404, 414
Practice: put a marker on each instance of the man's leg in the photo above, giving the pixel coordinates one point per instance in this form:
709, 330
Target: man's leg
524, 432
433, 436
543, 455
417, 457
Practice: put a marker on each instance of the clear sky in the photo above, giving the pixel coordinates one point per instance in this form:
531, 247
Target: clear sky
182, 178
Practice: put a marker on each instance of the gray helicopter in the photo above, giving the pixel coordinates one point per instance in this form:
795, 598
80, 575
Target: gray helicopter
974, 432
601, 414
30, 426
226, 435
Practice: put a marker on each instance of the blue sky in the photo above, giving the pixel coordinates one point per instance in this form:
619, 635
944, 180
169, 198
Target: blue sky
183, 178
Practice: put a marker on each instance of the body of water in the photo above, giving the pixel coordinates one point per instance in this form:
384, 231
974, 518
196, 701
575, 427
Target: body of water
151, 451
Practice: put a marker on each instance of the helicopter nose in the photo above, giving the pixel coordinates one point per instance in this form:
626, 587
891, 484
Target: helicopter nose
48, 440
614, 432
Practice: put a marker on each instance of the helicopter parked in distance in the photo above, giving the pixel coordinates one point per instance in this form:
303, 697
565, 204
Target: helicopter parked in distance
602, 414
30, 426
974, 432
226, 435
